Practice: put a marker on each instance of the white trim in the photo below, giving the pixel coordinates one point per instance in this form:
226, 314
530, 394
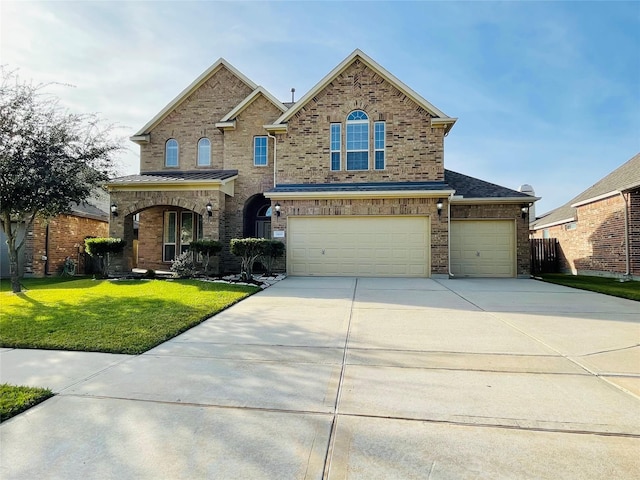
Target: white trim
553, 224
275, 128
595, 199
459, 200
198, 164
140, 139
266, 153
197, 83
226, 125
248, 100
358, 194
166, 151
346, 63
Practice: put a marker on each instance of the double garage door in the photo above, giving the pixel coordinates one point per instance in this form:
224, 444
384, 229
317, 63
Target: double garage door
379, 246
372, 246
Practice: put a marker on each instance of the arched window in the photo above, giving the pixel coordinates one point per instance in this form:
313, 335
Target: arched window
171, 153
204, 152
357, 141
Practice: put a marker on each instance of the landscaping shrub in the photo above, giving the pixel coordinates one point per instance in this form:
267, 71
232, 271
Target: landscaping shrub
208, 249
273, 249
183, 266
249, 250
103, 248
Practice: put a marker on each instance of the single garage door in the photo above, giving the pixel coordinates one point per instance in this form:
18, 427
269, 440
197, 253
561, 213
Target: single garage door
483, 248
374, 246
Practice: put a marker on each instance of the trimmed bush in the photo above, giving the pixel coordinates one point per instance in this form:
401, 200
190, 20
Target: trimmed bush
272, 250
249, 250
208, 249
103, 248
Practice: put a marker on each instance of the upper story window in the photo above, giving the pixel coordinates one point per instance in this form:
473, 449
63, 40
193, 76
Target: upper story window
357, 141
171, 153
378, 140
204, 152
259, 151
336, 150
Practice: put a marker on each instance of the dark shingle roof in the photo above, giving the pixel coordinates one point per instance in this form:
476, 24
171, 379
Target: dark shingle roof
85, 209
625, 177
177, 176
470, 187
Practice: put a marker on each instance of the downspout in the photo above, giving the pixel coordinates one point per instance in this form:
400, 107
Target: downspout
451, 275
626, 234
275, 156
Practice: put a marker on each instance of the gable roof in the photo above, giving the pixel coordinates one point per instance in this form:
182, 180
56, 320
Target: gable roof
440, 117
249, 100
624, 178
470, 189
197, 83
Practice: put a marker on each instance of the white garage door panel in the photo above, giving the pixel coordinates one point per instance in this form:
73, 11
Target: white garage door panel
358, 246
483, 248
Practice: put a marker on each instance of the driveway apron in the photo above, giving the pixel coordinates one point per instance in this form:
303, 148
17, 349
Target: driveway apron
358, 378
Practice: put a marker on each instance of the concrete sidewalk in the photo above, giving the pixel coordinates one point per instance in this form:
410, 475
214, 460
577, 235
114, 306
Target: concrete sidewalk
359, 378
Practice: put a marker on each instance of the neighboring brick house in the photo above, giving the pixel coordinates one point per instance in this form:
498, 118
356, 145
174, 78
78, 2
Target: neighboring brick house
599, 230
351, 177
50, 242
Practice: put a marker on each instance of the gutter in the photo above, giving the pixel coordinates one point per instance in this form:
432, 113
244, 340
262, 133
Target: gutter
626, 234
275, 156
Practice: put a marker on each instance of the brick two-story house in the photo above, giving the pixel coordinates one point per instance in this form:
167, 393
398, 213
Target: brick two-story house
351, 177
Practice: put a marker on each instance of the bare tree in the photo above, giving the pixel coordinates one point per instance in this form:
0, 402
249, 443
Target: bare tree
49, 159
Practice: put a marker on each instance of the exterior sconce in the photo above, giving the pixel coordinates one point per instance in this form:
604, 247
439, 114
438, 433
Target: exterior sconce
277, 207
439, 207
209, 209
114, 209
524, 211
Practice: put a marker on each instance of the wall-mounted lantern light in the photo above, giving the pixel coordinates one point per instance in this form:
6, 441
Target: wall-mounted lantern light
523, 212
439, 207
277, 207
114, 209
209, 209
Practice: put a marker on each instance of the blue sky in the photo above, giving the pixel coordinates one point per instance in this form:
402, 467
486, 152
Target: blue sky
547, 93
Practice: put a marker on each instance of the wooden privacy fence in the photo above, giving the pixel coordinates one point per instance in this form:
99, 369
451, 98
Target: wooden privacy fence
544, 256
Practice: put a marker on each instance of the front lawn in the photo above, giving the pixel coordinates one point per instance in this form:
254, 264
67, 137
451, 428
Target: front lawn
609, 286
14, 400
124, 316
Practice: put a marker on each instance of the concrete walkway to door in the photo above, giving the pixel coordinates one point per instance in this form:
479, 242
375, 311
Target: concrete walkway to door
354, 378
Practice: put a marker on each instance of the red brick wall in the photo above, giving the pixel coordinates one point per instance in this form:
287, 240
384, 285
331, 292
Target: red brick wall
597, 245
66, 234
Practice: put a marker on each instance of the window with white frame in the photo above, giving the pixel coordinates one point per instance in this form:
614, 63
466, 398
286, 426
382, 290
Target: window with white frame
171, 153
378, 145
204, 152
357, 141
336, 140
180, 229
260, 151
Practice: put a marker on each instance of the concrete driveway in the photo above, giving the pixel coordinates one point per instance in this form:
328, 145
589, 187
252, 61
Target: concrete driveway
351, 378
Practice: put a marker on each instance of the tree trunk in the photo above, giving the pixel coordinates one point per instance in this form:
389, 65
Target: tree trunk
11, 234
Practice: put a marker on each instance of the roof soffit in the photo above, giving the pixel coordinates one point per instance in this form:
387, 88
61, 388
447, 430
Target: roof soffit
197, 83
370, 63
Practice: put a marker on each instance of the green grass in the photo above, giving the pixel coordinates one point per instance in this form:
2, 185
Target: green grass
14, 400
610, 286
127, 316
